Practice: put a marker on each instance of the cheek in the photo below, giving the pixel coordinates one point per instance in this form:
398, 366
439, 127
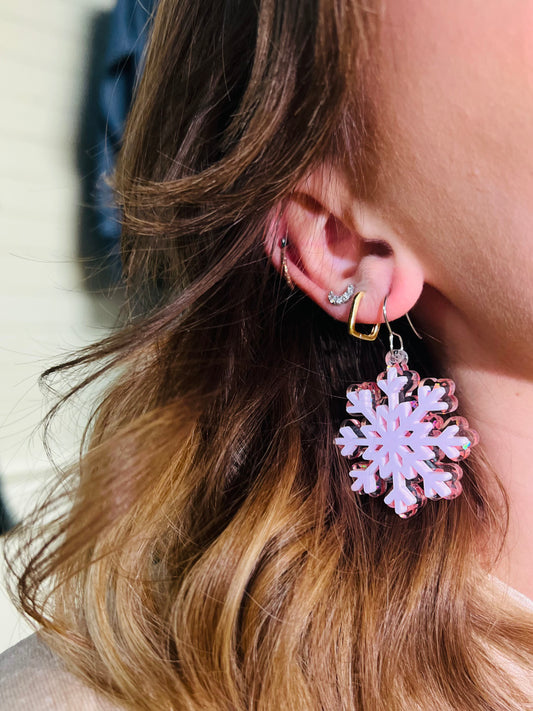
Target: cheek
459, 75
455, 101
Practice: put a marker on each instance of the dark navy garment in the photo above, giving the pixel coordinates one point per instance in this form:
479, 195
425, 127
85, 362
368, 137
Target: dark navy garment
128, 29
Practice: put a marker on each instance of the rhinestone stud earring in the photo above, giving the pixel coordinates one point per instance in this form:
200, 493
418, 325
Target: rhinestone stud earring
342, 298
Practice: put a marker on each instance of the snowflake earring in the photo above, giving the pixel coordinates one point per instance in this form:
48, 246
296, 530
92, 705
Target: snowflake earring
402, 445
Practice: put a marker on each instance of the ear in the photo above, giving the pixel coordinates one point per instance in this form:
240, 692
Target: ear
335, 239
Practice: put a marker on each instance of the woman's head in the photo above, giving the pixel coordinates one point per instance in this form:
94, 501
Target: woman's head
215, 556
450, 91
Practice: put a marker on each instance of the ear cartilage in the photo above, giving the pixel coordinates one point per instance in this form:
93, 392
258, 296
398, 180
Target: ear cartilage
343, 298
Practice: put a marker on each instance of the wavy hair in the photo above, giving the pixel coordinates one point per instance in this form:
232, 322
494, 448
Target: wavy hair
213, 555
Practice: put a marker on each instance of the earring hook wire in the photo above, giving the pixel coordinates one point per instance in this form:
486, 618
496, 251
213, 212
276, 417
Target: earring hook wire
393, 333
412, 326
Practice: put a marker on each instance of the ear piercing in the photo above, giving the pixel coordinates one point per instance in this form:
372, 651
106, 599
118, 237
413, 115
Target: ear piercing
284, 243
343, 298
333, 298
353, 319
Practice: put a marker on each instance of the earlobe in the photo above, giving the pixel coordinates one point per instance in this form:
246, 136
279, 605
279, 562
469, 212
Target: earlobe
326, 241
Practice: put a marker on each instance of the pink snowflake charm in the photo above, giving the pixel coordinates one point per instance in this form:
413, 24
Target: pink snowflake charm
403, 439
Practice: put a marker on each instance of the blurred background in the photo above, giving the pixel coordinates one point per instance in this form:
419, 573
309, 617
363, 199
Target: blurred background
67, 73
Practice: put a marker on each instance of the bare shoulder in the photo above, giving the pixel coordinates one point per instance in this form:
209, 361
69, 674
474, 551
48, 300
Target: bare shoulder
33, 677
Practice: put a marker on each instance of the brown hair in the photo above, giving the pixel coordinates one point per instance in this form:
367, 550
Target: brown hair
214, 556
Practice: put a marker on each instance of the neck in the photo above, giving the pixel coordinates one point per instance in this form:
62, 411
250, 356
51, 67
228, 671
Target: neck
498, 403
500, 407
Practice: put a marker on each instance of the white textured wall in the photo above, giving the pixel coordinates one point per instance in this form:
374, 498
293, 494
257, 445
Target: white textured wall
44, 309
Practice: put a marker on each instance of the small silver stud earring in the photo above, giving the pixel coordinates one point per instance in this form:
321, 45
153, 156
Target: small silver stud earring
343, 298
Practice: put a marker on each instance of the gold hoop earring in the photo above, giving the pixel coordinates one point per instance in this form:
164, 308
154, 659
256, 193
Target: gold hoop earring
352, 320
284, 266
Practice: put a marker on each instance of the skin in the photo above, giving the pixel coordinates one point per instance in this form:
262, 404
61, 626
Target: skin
456, 103
453, 203
457, 183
